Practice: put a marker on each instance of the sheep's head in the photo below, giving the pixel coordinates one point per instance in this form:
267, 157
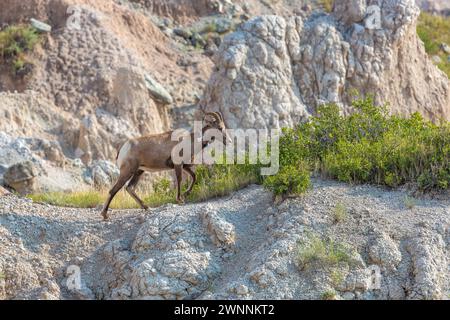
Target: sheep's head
214, 120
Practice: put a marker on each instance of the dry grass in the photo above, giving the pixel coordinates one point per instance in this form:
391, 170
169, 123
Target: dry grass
213, 182
340, 213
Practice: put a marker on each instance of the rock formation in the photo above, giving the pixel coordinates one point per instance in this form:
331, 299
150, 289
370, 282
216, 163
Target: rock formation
275, 71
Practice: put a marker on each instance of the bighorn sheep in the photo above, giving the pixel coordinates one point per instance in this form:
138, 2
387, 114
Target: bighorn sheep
154, 153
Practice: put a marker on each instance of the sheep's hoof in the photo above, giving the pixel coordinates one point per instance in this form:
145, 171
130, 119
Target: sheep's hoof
105, 216
144, 208
181, 201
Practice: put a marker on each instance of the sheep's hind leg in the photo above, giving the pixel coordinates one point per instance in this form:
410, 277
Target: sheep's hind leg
179, 176
123, 178
193, 180
131, 188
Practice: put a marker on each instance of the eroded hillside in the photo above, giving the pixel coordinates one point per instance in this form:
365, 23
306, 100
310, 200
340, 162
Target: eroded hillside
114, 69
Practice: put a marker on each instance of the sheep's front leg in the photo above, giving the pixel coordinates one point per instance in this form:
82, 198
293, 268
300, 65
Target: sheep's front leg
179, 177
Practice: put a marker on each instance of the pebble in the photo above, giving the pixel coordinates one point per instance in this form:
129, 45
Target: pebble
242, 290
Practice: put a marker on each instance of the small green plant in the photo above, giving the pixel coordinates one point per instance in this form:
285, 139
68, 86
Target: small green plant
323, 253
290, 180
410, 202
329, 295
327, 5
2, 275
340, 213
19, 64
337, 277
210, 27
15, 42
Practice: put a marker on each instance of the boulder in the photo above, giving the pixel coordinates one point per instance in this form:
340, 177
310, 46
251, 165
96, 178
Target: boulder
220, 231
3, 192
22, 177
349, 12
102, 174
436, 59
40, 26
157, 90
384, 251
445, 47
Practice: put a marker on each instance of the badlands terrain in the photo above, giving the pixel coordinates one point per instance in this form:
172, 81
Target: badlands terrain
110, 70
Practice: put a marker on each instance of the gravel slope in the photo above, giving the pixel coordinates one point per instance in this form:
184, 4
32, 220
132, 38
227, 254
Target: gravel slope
241, 246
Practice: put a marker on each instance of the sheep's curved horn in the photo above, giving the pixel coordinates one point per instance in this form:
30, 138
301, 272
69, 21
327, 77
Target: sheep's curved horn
215, 115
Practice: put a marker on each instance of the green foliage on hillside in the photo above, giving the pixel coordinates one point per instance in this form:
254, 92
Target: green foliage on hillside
435, 30
15, 42
370, 146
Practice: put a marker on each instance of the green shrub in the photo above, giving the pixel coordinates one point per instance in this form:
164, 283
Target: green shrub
337, 277
327, 5
290, 180
15, 41
370, 146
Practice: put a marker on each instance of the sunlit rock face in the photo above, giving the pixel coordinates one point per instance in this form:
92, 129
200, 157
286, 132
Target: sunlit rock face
275, 71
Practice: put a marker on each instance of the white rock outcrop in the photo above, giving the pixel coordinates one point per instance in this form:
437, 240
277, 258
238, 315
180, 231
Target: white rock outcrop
274, 71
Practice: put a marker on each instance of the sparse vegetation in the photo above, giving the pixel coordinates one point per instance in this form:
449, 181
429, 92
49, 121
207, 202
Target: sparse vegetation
323, 253
340, 213
329, 295
435, 30
2, 275
337, 277
215, 181
327, 5
410, 202
15, 42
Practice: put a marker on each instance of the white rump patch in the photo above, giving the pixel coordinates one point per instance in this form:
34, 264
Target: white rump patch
123, 153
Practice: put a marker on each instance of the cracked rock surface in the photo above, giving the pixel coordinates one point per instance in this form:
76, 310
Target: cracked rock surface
238, 247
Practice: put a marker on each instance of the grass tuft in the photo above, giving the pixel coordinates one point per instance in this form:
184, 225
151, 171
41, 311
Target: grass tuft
410, 202
340, 213
329, 295
324, 253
